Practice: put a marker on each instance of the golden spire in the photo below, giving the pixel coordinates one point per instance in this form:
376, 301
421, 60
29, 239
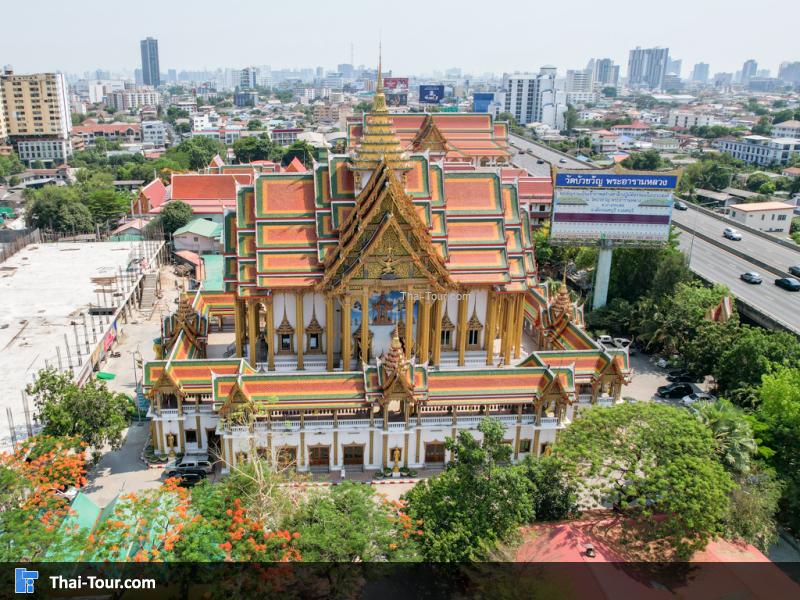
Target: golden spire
395, 361
378, 139
563, 301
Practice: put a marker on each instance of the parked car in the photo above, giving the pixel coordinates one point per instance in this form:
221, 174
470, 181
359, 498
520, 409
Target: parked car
188, 464
795, 270
680, 206
788, 283
681, 375
624, 343
675, 390
606, 340
751, 277
697, 397
191, 479
732, 234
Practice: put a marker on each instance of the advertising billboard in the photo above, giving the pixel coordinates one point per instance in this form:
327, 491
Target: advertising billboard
629, 208
395, 83
397, 99
481, 101
431, 94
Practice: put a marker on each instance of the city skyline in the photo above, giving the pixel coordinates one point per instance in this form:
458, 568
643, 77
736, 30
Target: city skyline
327, 31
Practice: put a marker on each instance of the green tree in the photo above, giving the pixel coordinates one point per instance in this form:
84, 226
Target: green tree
347, 523
254, 125
751, 354
782, 115
91, 413
197, 151
475, 503
175, 215
732, 434
57, 208
302, 150
555, 495
753, 506
778, 414
10, 165
657, 465
609, 92
763, 127
649, 160
253, 148
284, 96
570, 118
701, 353
756, 180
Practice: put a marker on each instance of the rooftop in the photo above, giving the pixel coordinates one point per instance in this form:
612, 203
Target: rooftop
760, 206
202, 227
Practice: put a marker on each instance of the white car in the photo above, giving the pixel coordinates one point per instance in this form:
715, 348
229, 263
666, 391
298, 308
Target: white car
605, 340
732, 234
697, 397
189, 463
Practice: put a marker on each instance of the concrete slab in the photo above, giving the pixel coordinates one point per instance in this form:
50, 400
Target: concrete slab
43, 289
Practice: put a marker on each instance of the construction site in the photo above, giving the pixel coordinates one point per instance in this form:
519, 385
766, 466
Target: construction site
64, 306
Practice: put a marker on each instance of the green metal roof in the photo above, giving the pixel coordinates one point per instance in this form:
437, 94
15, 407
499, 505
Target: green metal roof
214, 272
202, 227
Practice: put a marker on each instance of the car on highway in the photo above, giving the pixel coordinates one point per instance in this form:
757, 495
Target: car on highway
675, 390
680, 206
788, 283
690, 399
539, 162
562, 160
751, 277
795, 270
732, 234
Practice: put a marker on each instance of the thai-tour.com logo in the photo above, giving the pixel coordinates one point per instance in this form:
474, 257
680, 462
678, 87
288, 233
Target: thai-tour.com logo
24, 580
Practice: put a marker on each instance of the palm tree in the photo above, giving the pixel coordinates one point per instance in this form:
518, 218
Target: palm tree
732, 433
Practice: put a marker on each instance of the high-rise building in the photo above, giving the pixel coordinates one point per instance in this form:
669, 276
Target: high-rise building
789, 72
700, 73
579, 81
535, 98
37, 119
606, 73
647, 67
674, 66
150, 69
346, 70
247, 79
749, 70
3, 126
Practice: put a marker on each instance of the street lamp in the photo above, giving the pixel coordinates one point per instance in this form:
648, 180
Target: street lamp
694, 227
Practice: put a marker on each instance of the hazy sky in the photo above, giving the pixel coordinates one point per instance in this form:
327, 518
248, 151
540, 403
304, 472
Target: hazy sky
418, 37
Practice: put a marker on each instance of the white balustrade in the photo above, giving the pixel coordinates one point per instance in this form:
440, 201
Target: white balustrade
437, 420
313, 424
549, 422
584, 398
528, 419
240, 430
169, 412
467, 421
353, 423
397, 426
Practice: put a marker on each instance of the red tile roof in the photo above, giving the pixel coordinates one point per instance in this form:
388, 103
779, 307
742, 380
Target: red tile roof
155, 192
118, 128
296, 166
190, 186
535, 189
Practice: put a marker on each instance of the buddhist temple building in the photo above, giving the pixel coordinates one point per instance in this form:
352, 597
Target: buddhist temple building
375, 304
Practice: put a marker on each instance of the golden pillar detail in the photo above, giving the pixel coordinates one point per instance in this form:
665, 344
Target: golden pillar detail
329, 331
270, 333
518, 325
238, 316
409, 323
302, 458
462, 328
535, 449
299, 328
405, 449
252, 329
490, 327
346, 333
424, 331
335, 447
437, 332
365, 326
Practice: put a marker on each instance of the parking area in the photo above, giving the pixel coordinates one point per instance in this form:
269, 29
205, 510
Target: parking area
648, 377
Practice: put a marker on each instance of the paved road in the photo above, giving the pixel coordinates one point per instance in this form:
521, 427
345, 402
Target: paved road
550, 157
715, 264
772, 253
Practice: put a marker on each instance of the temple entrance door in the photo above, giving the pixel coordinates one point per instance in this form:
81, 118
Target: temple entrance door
353, 457
319, 458
214, 445
434, 454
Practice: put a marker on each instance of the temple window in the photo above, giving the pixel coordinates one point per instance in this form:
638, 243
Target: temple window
447, 331
285, 333
191, 436
525, 446
474, 327
314, 335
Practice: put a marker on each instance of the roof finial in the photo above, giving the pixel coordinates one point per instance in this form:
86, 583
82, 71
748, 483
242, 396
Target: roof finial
379, 86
